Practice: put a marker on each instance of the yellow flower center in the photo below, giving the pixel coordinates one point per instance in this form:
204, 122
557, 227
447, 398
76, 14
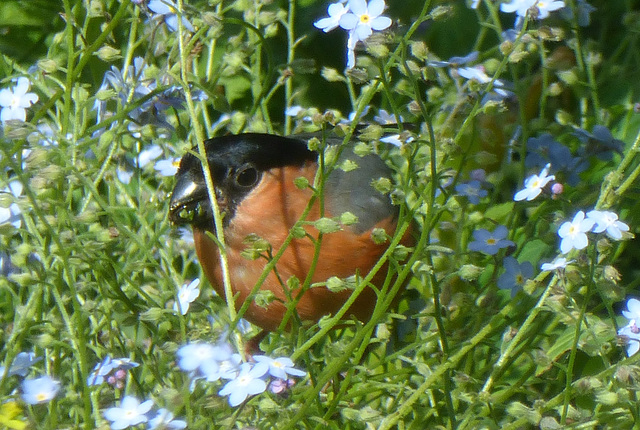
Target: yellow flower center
365, 18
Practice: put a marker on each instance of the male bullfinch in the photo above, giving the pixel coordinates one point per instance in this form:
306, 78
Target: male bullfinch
254, 178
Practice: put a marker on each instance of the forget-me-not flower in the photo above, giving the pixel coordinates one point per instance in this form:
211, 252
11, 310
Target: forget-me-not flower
109, 367
534, 184
186, 295
15, 101
247, 383
607, 221
472, 190
169, 12
39, 390
168, 166
490, 242
631, 331
336, 10
574, 233
279, 367
557, 264
540, 9
515, 276
164, 420
21, 364
130, 413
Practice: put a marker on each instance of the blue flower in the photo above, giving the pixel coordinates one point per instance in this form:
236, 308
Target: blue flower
168, 10
164, 420
490, 243
545, 150
279, 367
247, 383
515, 275
21, 364
40, 390
472, 190
584, 13
130, 413
541, 9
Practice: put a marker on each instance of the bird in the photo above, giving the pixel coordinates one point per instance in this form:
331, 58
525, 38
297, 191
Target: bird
254, 176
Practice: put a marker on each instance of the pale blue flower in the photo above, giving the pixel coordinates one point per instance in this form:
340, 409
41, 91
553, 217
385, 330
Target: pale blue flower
186, 295
280, 367
247, 383
534, 184
40, 390
169, 12
361, 20
164, 420
130, 413
573, 233
149, 154
336, 11
168, 166
490, 242
124, 175
21, 364
15, 101
455, 61
195, 357
557, 264
631, 331
386, 118
607, 221
539, 8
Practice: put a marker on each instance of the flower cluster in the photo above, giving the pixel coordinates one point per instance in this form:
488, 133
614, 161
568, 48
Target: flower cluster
113, 371
574, 233
359, 18
34, 390
213, 362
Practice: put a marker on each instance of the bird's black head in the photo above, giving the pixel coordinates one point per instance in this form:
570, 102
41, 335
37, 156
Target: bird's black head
237, 163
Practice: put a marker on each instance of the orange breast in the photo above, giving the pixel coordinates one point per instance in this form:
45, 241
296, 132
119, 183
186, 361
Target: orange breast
269, 211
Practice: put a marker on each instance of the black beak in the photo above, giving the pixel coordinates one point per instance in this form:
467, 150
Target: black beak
189, 200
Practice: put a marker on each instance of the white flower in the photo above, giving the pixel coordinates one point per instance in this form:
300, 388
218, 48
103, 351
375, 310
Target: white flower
336, 10
608, 221
15, 102
573, 233
186, 295
146, 156
130, 413
281, 367
534, 184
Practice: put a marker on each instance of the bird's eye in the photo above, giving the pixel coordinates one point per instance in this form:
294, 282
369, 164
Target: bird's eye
247, 177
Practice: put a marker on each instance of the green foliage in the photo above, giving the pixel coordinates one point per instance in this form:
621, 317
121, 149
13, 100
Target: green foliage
91, 266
